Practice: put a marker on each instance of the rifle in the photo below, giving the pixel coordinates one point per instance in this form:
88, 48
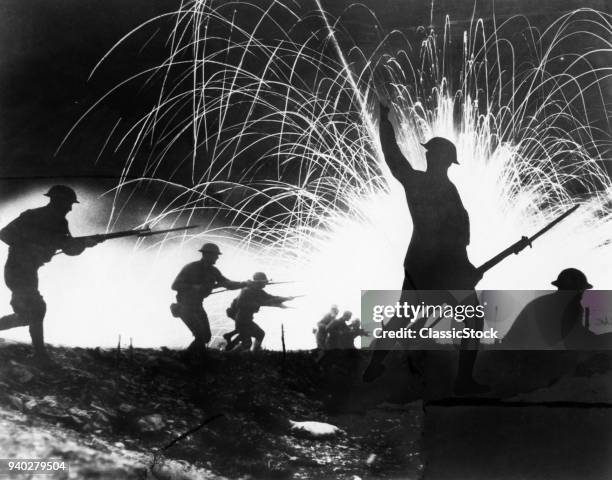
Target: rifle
523, 243
135, 232
267, 283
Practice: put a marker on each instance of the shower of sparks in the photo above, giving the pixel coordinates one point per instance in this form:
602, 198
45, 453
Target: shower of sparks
285, 156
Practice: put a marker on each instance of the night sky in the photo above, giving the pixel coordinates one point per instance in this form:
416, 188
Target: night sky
48, 49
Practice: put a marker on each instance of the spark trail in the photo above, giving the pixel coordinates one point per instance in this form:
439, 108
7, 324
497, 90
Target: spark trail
284, 157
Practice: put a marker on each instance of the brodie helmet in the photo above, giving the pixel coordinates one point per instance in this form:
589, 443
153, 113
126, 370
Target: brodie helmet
210, 248
442, 146
62, 192
260, 277
572, 279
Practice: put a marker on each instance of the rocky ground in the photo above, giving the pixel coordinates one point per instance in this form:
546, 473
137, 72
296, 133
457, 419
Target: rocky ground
150, 414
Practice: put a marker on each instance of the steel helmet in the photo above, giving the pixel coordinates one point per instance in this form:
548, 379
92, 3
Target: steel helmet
260, 277
210, 248
572, 279
442, 145
62, 192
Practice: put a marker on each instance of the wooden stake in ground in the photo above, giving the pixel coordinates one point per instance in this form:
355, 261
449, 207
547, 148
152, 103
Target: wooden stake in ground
283, 344
118, 352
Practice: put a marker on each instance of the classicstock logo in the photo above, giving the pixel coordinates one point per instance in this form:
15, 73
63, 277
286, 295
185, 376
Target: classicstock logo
487, 319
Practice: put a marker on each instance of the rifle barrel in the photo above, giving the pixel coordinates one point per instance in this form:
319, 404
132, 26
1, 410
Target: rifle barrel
147, 232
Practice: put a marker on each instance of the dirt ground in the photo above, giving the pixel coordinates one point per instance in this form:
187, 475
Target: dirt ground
152, 414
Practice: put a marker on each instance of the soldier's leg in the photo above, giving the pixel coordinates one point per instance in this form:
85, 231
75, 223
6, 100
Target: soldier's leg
231, 339
258, 333
464, 381
11, 321
382, 346
205, 327
191, 316
32, 307
243, 342
243, 326
19, 303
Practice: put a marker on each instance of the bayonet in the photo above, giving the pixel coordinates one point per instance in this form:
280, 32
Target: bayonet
524, 242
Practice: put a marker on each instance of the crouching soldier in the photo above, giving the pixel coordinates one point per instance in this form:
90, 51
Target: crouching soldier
33, 239
243, 309
193, 284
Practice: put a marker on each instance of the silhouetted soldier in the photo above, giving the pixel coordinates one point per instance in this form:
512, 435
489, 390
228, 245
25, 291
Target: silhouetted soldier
193, 284
33, 239
337, 332
354, 331
321, 330
251, 298
437, 256
554, 321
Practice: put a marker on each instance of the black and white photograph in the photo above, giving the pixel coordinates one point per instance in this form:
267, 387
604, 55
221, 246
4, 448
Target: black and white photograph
306, 239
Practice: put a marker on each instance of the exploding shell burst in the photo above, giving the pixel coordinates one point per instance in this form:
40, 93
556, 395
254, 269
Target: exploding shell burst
297, 179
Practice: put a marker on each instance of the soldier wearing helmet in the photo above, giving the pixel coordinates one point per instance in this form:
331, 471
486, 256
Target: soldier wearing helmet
245, 306
437, 254
321, 330
33, 239
193, 284
572, 279
555, 321
337, 331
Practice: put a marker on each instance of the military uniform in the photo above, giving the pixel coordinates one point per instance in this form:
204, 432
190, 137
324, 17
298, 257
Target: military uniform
436, 258
193, 284
33, 239
437, 254
248, 303
554, 321
321, 332
336, 333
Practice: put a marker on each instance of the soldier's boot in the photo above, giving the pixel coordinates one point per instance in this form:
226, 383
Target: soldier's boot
41, 355
257, 344
229, 343
11, 321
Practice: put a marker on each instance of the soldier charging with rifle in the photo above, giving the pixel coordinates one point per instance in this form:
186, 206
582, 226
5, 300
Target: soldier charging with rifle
34, 238
193, 284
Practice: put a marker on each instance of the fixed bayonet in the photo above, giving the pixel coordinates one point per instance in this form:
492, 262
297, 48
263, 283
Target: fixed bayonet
524, 242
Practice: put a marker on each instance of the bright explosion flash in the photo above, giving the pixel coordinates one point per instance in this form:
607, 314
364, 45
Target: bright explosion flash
284, 145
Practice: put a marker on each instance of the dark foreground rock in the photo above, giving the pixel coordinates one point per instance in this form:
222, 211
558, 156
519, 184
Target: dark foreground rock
151, 414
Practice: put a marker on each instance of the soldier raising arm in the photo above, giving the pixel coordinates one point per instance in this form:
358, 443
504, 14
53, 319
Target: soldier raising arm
397, 163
